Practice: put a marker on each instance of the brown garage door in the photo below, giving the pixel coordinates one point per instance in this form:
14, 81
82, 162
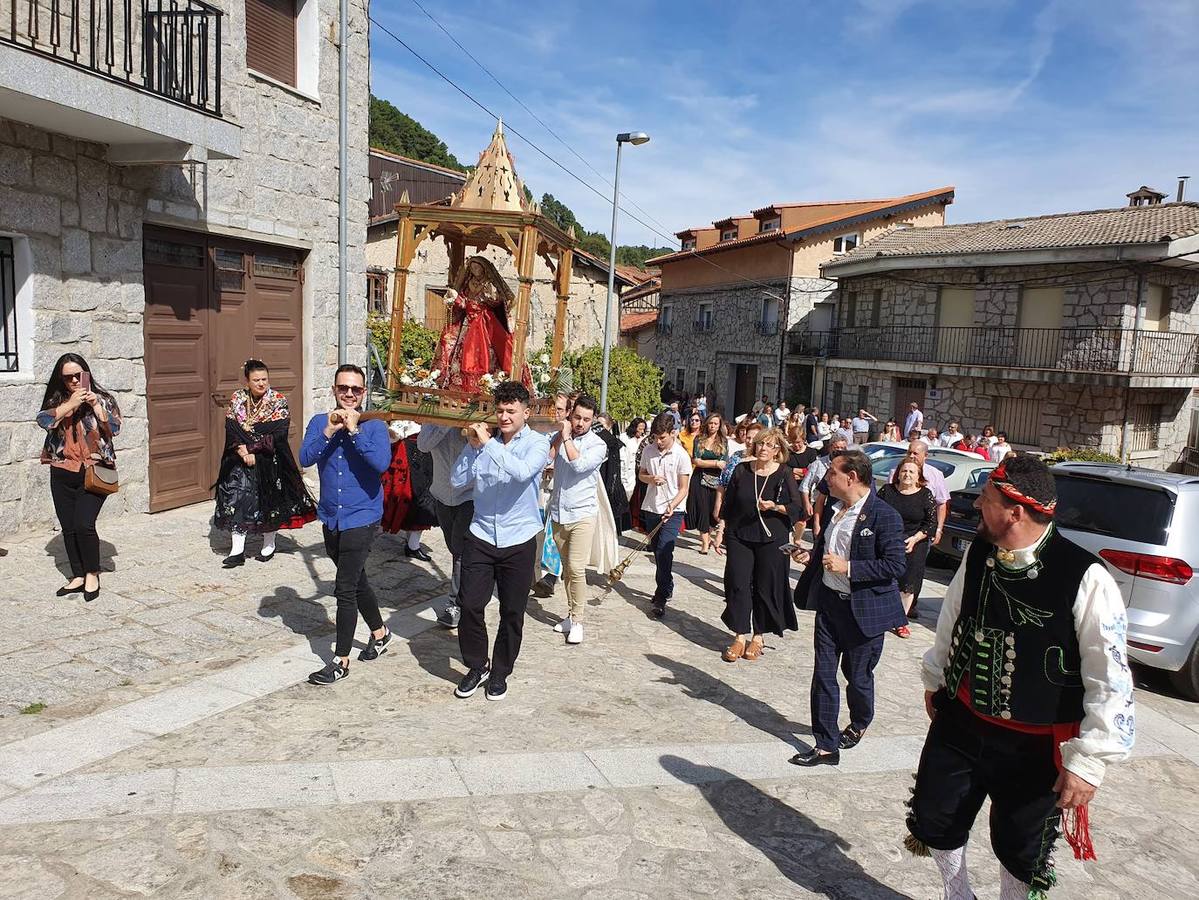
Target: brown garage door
211, 303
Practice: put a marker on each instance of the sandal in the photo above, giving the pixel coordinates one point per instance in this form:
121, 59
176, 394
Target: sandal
735, 650
754, 650
902, 631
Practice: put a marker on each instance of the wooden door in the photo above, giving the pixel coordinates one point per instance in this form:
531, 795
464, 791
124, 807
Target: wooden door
908, 391
211, 304
177, 346
745, 389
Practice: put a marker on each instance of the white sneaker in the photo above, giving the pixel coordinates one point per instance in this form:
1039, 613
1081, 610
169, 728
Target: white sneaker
576, 633
563, 627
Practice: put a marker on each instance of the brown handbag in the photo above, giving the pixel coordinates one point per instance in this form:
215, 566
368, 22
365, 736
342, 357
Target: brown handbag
100, 480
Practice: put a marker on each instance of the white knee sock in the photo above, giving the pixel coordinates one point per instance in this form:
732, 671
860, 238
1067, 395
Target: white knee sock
414, 540
1011, 887
952, 864
268, 542
239, 542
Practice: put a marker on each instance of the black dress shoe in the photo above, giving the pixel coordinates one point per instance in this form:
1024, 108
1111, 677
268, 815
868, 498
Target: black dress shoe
266, 558
67, 591
89, 596
657, 609
232, 562
815, 758
419, 553
851, 737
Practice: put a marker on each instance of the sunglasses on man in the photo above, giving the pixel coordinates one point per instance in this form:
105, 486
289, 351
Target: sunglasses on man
354, 389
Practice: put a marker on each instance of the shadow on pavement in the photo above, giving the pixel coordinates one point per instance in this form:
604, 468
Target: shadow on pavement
699, 685
57, 550
813, 858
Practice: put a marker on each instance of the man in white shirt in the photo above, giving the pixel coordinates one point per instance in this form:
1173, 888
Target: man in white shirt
666, 473
952, 435
914, 420
936, 484
578, 455
761, 404
1028, 688
781, 413
861, 426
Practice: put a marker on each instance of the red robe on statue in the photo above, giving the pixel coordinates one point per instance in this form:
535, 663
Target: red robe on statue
474, 342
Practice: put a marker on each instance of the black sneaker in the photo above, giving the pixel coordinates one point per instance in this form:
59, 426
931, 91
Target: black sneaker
376, 647
330, 674
232, 562
545, 587
449, 617
470, 682
497, 688
657, 609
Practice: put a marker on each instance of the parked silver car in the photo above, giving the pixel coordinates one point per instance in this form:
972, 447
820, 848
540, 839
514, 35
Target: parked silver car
1144, 524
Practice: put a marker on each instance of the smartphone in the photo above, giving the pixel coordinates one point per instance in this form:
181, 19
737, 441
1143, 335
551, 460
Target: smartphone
790, 548
85, 381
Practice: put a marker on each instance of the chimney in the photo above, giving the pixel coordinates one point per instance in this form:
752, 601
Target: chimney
1182, 186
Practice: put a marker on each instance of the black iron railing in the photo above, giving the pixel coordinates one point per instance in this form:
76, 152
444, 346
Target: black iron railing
702, 326
1113, 350
768, 328
170, 48
9, 361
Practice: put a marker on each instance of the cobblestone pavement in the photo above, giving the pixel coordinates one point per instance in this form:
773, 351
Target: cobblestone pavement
179, 754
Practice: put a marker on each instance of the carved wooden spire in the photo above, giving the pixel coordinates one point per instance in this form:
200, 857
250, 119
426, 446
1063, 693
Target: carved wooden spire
494, 183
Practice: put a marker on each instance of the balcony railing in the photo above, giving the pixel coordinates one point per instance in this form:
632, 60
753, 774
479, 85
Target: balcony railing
768, 328
1099, 350
169, 48
702, 326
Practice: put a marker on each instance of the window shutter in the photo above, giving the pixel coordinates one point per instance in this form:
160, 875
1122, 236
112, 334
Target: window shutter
271, 38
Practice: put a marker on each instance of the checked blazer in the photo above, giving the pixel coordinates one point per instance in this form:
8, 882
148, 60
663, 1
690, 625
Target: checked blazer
876, 561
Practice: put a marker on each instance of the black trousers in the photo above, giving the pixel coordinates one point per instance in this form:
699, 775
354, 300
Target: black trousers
349, 550
964, 761
77, 511
484, 567
757, 596
839, 639
455, 523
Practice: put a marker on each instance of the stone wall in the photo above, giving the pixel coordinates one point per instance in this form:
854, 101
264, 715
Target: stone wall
81, 220
430, 269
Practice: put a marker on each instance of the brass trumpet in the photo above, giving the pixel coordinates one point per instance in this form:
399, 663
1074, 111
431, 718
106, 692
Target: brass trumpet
617, 573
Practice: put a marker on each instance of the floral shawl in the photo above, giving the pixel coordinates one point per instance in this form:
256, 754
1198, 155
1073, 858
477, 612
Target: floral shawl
272, 408
96, 436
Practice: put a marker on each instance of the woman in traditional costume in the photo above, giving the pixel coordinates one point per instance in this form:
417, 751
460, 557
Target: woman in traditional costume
477, 338
407, 503
259, 489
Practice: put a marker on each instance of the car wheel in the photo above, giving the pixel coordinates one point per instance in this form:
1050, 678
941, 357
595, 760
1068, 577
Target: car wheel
1186, 679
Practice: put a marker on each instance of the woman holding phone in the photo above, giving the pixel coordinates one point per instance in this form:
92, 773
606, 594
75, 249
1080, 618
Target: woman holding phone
81, 419
761, 504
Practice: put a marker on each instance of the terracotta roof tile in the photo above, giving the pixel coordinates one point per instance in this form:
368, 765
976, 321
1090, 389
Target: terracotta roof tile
1097, 228
637, 321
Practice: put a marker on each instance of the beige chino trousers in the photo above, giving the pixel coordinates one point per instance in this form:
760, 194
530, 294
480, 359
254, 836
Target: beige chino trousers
574, 545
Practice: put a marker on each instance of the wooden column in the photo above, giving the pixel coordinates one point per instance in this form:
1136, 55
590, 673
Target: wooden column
525, 257
565, 259
405, 251
457, 257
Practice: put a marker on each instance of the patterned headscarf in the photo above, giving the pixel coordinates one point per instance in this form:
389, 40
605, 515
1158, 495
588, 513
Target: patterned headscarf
1001, 480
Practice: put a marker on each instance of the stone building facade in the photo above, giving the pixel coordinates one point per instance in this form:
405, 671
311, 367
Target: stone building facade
99, 176
1098, 349
735, 292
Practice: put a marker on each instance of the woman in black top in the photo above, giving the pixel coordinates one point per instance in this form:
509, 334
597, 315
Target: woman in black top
909, 494
761, 503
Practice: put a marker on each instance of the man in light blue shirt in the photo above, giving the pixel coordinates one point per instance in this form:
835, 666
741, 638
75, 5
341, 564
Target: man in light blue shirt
573, 506
503, 473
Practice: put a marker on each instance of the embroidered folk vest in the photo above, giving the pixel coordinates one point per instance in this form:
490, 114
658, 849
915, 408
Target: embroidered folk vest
1015, 638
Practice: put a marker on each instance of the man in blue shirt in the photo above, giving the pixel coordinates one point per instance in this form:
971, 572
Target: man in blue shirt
350, 457
574, 505
503, 472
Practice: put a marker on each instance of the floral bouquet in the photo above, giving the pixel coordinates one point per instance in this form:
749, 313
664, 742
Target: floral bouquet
416, 374
489, 381
549, 381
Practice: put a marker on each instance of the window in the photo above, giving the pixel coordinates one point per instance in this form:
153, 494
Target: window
851, 309
9, 362
1020, 418
689, 244
845, 243
770, 224
1157, 308
863, 398
1193, 434
838, 396
157, 252
276, 265
770, 315
376, 292
271, 38
701, 379
230, 269
876, 308
1122, 511
703, 317
729, 234
1146, 420
680, 378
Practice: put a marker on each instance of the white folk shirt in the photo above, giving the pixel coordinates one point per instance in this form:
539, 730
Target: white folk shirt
671, 465
837, 540
1107, 731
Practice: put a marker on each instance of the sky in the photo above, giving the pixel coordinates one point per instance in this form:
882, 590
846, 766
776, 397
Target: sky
1025, 107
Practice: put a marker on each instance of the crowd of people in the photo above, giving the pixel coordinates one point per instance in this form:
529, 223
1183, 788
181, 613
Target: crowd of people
1027, 685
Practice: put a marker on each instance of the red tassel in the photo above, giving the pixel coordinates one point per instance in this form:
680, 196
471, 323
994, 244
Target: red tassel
1077, 828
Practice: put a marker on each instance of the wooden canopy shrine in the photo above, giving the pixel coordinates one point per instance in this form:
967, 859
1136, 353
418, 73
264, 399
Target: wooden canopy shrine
491, 210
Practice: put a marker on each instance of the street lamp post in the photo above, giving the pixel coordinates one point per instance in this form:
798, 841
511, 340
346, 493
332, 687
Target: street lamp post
635, 138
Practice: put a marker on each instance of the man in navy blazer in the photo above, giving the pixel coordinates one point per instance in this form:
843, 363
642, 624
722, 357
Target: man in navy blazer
851, 582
